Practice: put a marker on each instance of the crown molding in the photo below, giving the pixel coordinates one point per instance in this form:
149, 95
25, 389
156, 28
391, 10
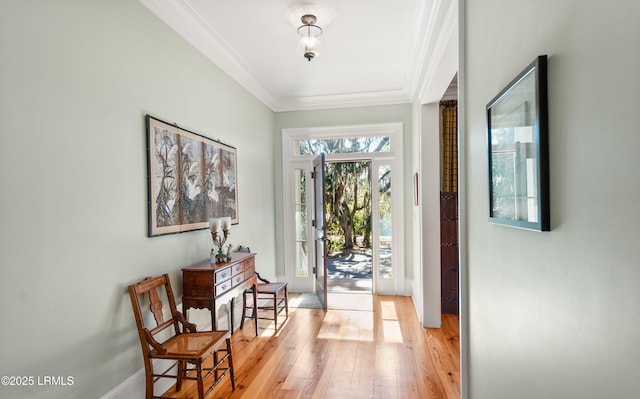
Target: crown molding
445, 32
424, 34
347, 100
185, 21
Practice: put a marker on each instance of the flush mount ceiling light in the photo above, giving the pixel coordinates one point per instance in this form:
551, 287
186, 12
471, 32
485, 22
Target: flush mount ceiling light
310, 33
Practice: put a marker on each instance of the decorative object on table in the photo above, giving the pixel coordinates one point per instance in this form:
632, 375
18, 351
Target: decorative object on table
212, 256
190, 178
219, 228
229, 252
518, 151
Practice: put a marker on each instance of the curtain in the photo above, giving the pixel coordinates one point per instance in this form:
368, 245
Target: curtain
449, 110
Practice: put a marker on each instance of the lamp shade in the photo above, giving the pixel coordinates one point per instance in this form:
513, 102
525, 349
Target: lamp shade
309, 33
214, 225
310, 47
225, 223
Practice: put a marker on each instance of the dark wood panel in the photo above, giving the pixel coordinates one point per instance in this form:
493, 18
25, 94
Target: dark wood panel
449, 205
449, 257
450, 284
449, 252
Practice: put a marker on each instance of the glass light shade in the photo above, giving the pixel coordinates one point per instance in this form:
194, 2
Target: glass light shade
310, 31
309, 43
225, 223
214, 224
309, 47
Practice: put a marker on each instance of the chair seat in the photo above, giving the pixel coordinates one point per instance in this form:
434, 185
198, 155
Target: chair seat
270, 288
190, 346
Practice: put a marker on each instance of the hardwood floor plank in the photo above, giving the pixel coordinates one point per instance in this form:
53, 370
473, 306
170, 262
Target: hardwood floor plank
450, 330
345, 354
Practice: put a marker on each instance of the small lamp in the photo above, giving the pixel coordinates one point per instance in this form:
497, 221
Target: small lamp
215, 225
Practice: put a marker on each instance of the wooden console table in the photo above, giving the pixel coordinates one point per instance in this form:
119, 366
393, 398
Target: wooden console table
208, 285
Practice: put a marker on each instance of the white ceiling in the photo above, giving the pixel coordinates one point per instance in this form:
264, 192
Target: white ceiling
371, 49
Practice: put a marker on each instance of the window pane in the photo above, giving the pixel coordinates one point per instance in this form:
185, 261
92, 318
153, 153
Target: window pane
302, 259
343, 145
301, 222
384, 211
301, 256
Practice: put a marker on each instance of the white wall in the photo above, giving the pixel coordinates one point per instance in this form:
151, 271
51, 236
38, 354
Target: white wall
76, 79
556, 315
430, 249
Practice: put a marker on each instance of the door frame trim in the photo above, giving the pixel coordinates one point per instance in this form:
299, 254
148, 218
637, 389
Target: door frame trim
291, 161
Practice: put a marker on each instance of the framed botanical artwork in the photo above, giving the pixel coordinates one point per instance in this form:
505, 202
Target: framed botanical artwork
190, 179
518, 151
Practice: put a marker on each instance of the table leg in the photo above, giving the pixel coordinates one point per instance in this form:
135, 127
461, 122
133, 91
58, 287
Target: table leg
233, 305
214, 318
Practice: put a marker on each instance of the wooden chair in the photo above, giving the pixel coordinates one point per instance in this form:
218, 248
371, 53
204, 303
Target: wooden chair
176, 339
273, 297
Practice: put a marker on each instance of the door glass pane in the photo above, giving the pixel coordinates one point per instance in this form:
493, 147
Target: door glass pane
301, 246
384, 209
364, 144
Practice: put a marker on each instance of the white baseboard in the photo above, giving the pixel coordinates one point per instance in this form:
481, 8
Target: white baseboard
134, 386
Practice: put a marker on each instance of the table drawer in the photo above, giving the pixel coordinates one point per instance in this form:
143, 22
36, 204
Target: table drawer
222, 275
239, 268
223, 287
248, 273
237, 279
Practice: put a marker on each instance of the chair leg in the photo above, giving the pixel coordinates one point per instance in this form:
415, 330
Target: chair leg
254, 310
244, 308
200, 382
254, 292
286, 302
148, 371
275, 311
181, 374
231, 374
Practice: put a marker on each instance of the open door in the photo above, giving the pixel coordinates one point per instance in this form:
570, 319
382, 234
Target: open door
320, 230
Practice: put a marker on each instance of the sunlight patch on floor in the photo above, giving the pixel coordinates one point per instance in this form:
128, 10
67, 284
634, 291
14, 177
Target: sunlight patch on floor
347, 325
350, 301
390, 325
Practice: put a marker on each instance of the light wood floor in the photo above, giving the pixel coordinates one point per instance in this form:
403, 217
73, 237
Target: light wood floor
384, 353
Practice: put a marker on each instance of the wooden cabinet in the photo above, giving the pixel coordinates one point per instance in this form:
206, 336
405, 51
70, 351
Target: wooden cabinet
208, 285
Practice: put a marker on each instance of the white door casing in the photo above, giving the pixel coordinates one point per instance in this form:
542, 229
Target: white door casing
293, 161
